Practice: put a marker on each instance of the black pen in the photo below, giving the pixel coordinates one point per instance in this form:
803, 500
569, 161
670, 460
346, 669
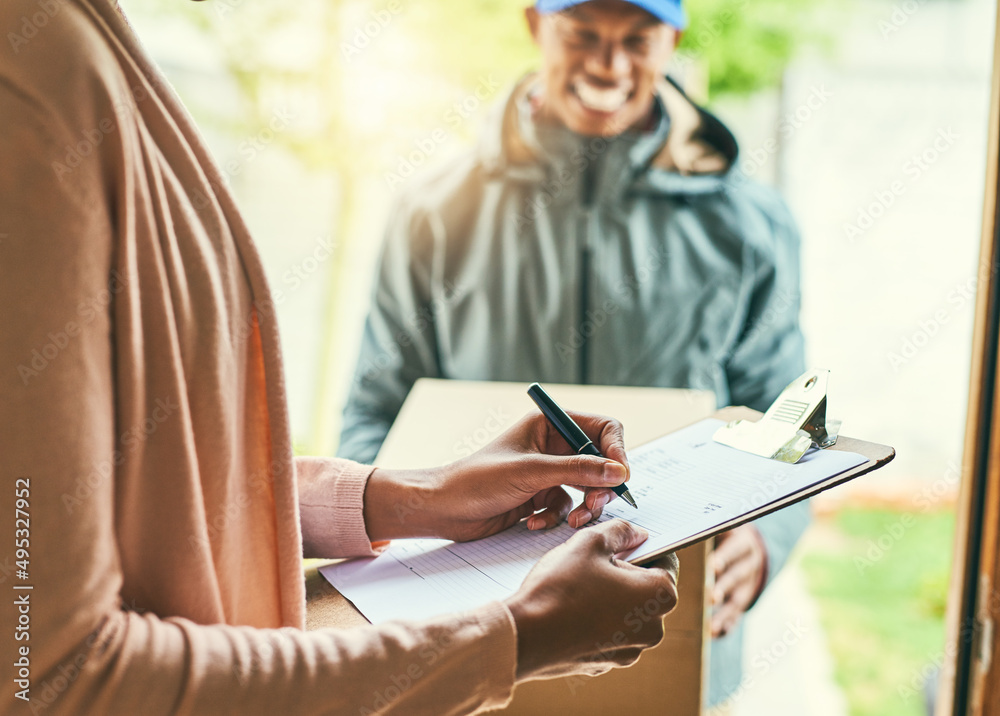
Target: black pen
572, 433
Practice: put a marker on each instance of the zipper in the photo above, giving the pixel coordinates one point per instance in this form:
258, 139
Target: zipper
583, 358
587, 186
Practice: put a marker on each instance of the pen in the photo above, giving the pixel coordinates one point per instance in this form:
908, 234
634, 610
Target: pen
572, 433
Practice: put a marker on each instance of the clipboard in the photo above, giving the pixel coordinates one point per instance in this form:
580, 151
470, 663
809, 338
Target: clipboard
444, 419
878, 456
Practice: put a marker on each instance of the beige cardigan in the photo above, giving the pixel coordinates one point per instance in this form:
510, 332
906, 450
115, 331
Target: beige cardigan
143, 403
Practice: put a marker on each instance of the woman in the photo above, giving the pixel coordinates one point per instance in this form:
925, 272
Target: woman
146, 441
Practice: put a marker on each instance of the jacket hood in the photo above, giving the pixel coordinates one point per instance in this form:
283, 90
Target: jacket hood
697, 142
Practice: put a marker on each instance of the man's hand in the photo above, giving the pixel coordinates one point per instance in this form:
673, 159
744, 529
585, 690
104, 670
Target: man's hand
518, 475
739, 563
582, 611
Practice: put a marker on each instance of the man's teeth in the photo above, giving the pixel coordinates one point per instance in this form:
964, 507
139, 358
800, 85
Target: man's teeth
601, 100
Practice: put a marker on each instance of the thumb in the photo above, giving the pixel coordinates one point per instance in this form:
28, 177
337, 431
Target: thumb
579, 470
617, 536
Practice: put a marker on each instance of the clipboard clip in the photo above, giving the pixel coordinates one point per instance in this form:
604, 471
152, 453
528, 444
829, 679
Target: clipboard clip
794, 423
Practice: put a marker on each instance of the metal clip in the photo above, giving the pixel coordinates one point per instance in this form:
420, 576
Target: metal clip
793, 424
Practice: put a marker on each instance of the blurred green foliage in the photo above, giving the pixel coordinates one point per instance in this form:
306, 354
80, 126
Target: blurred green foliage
741, 46
880, 578
462, 41
745, 46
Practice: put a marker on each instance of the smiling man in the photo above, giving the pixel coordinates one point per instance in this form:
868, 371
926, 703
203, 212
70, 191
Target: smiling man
602, 61
599, 233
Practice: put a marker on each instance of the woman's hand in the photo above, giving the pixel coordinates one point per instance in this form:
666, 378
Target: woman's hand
582, 611
519, 474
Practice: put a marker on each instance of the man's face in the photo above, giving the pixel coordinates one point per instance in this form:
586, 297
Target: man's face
600, 61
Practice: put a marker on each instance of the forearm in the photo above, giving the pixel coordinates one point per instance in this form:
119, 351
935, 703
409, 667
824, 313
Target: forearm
399, 504
141, 664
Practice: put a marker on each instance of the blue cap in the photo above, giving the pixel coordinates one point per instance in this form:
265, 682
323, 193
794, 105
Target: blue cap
670, 11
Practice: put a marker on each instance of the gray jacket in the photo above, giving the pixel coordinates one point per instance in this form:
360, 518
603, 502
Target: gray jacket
645, 259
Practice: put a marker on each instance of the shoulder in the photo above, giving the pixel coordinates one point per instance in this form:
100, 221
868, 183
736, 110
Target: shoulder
57, 63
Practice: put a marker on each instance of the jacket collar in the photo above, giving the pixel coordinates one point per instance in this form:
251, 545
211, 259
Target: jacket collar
696, 144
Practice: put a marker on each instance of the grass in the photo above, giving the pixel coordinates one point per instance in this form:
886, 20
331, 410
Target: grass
880, 578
